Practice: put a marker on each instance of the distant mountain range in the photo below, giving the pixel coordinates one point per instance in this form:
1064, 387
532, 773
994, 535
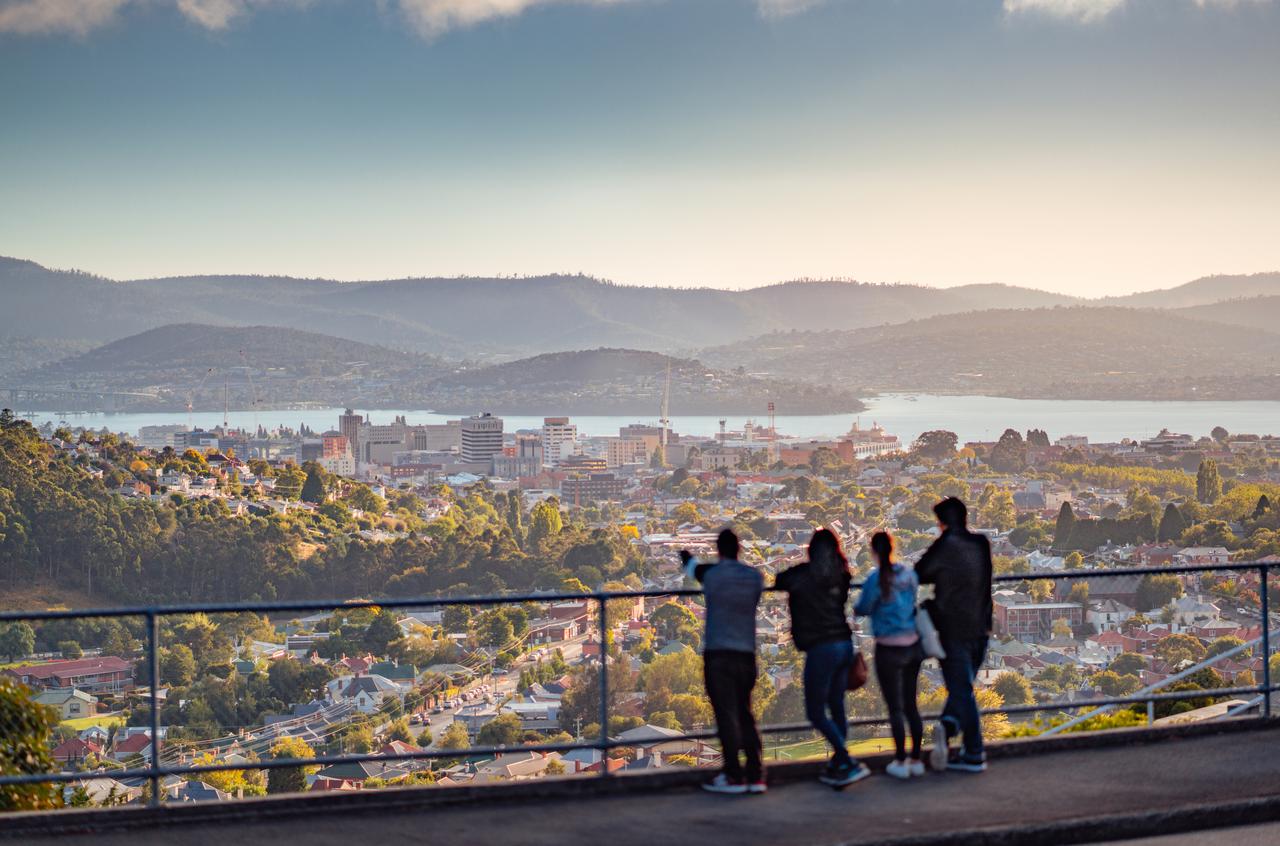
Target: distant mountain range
273, 367
1059, 353
1212, 337
473, 317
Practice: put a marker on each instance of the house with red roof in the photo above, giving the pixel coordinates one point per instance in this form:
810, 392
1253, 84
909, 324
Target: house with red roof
106, 674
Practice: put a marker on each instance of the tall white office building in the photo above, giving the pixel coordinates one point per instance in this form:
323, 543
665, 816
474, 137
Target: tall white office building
559, 440
481, 438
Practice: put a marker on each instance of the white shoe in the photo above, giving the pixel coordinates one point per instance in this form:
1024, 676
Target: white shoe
916, 767
899, 769
939, 754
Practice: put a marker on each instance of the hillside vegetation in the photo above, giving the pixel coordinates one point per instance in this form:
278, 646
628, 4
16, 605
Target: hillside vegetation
1065, 353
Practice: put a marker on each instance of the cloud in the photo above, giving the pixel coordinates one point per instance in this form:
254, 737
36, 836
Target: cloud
31, 17
79, 17
1088, 11
1079, 10
784, 8
434, 17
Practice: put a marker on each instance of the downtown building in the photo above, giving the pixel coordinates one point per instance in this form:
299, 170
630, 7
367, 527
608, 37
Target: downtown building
481, 439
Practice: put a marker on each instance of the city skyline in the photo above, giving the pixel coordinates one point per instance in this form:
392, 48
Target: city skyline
1088, 147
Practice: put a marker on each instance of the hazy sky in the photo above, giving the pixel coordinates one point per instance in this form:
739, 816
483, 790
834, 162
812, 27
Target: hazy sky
1086, 146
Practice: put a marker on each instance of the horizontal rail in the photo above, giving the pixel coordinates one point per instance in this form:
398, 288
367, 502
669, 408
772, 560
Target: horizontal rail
155, 771
512, 598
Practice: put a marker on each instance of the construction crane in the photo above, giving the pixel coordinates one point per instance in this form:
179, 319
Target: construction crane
663, 422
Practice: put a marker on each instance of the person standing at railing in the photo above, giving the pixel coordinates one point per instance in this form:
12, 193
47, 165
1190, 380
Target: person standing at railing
889, 599
958, 565
732, 592
817, 594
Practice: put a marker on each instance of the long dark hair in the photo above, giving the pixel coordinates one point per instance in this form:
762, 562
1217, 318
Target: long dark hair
826, 557
882, 546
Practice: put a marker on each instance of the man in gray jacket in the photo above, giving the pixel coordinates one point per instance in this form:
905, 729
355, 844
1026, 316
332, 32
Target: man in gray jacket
732, 591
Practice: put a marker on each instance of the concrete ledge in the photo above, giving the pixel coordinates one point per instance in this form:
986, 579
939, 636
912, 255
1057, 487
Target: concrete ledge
1108, 827
392, 800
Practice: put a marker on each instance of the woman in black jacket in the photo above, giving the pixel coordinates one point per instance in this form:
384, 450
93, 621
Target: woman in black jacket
817, 592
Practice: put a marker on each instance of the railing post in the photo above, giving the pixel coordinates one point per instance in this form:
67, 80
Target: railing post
1151, 712
1266, 641
153, 658
604, 684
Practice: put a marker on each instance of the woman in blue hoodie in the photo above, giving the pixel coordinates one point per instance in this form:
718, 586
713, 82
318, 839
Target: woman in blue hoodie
889, 599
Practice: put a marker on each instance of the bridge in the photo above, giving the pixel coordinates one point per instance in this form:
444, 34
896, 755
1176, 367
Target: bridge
1058, 787
70, 399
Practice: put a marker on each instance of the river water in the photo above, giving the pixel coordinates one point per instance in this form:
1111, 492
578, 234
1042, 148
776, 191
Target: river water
905, 415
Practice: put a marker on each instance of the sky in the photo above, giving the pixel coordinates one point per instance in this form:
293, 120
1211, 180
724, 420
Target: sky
1090, 147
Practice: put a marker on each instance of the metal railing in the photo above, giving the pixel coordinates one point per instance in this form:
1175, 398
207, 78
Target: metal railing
156, 769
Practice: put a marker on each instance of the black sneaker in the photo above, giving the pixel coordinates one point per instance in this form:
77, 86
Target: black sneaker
844, 775
968, 763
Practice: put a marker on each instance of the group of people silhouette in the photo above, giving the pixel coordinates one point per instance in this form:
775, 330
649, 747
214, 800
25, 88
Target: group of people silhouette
953, 626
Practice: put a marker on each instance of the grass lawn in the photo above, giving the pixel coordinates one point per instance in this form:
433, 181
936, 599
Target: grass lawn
104, 720
818, 749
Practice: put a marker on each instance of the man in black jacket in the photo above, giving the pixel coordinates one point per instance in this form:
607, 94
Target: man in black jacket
958, 565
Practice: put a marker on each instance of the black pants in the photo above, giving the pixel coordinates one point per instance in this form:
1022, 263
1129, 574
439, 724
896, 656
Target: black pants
730, 677
898, 671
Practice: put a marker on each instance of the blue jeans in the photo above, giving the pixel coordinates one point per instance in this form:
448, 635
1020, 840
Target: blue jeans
964, 659
826, 677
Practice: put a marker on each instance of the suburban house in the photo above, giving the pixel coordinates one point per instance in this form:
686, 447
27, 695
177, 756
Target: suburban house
107, 674
70, 703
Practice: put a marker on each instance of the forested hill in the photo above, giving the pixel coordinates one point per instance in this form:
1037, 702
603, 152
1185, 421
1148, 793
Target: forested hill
262, 366
1062, 353
270, 367
471, 316
1210, 289
191, 346
65, 529
617, 381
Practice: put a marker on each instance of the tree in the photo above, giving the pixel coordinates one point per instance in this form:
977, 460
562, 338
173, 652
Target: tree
313, 489
17, 640
381, 633
494, 629
1009, 455
1262, 507
1128, 664
357, 738
1040, 590
399, 730
935, 445
1079, 592
289, 779
289, 482
1074, 561
503, 730
1156, 591
363, 498
177, 665
1225, 644
1109, 683
1037, 438
685, 512
28, 728
455, 737
70, 649
544, 522
1066, 523
1172, 525
996, 508
1219, 434
1208, 481
672, 621
1013, 688
1176, 648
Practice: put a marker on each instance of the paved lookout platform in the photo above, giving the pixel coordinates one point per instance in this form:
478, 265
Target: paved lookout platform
1079, 789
